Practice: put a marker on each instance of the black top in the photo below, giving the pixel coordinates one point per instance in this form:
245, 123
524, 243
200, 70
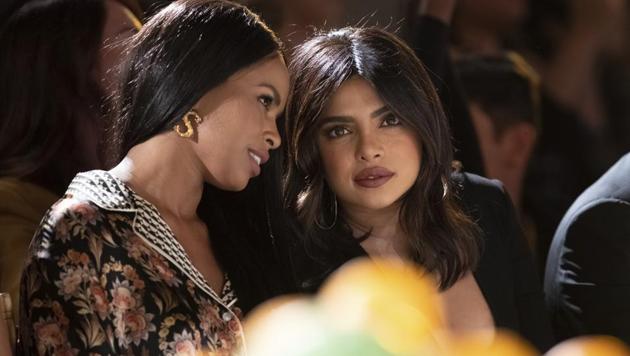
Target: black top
506, 274
587, 280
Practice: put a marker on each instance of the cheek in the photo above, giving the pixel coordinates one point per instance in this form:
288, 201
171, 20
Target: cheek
411, 152
334, 158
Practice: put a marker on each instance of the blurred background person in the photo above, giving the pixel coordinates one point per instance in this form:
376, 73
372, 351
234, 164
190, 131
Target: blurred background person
569, 44
503, 94
486, 26
57, 58
587, 284
566, 42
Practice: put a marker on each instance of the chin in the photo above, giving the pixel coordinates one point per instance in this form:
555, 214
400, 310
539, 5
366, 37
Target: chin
231, 186
377, 204
237, 187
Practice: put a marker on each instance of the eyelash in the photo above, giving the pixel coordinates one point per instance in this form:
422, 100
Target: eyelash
331, 132
385, 122
266, 101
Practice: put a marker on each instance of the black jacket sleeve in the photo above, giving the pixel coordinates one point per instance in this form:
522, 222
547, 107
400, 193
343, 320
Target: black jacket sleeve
590, 289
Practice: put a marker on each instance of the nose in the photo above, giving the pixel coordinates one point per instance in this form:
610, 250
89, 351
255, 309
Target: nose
369, 148
272, 136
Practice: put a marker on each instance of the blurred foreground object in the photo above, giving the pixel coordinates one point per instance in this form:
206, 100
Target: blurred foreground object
370, 307
594, 345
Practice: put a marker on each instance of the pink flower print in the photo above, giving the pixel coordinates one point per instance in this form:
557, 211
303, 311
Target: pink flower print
65, 350
209, 317
85, 212
100, 301
234, 326
48, 334
183, 345
165, 272
122, 296
78, 257
62, 230
227, 339
138, 325
131, 274
134, 247
69, 282
59, 314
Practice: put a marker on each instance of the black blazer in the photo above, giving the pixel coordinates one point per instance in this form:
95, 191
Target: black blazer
587, 279
506, 274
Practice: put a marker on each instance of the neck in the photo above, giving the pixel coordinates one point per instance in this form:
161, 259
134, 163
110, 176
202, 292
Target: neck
161, 172
386, 236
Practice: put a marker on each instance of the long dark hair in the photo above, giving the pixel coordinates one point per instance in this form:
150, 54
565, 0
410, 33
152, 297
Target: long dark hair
49, 88
442, 238
184, 51
181, 53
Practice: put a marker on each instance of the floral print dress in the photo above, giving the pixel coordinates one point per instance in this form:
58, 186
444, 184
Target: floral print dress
106, 276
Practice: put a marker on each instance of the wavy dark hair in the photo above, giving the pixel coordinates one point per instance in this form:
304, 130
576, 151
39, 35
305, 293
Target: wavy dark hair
442, 238
49, 87
185, 50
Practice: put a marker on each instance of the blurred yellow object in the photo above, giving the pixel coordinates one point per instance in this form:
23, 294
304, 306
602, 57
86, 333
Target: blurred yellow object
593, 345
294, 326
284, 326
395, 302
489, 343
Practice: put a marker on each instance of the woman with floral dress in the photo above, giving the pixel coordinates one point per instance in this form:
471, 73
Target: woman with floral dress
140, 259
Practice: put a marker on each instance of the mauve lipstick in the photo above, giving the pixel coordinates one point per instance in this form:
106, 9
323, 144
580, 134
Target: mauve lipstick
373, 177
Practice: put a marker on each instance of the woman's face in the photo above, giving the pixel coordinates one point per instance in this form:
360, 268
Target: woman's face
239, 123
370, 157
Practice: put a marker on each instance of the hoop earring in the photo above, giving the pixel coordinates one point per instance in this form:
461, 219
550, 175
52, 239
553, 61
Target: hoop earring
328, 227
190, 130
444, 188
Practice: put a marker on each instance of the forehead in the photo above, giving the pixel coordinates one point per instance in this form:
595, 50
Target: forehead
354, 96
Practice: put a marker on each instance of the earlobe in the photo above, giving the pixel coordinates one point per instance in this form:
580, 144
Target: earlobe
190, 121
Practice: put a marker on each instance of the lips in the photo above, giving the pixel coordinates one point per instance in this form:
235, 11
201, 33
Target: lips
373, 177
259, 156
256, 158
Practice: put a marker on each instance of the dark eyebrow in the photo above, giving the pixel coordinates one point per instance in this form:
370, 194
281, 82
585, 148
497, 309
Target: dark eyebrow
276, 95
337, 119
344, 119
379, 112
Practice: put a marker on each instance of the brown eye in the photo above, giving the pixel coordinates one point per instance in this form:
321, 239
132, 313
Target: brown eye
337, 131
390, 120
266, 101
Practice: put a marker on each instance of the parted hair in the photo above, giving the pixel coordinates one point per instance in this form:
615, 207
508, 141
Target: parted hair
442, 238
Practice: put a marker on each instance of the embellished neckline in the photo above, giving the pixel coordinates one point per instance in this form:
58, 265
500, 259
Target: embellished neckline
111, 193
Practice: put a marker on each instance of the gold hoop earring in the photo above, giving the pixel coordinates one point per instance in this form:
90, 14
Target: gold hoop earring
190, 130
331, 225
